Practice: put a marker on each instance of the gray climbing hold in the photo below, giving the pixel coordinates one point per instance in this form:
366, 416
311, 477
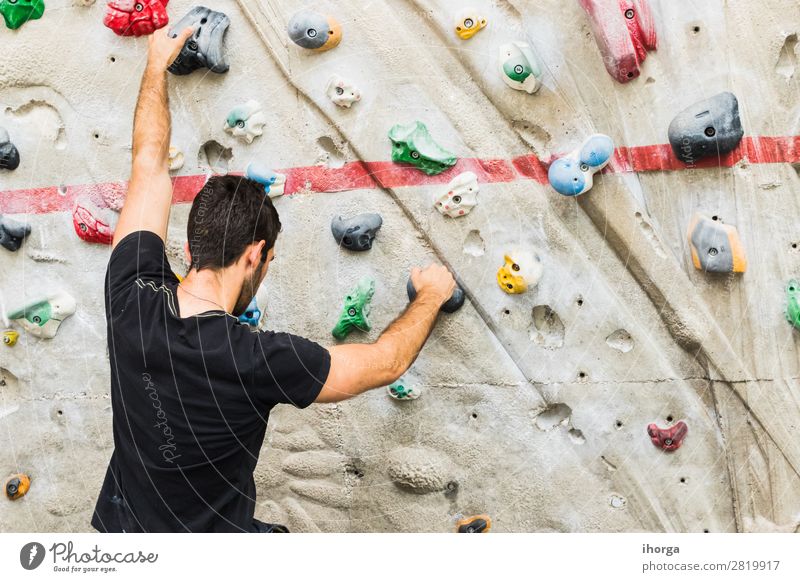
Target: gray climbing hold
452, 305
204, 49
716, 247
708, 128
9, 154
314, 31
358, 232
12, 233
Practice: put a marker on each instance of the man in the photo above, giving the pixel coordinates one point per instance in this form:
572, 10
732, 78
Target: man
191, 387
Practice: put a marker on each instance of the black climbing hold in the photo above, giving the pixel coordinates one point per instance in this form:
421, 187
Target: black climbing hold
708, 128
453, 304
474, 524
9, 154
204, 49
358, 232
12, 233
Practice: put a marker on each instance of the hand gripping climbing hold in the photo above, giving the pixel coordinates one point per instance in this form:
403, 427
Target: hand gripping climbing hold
43, 318
468, 23
669, 439
399, 391
251, 315
17, 486
93, 224
451, 305
246, 121
358, 232
10, 338
412, 144
716, 247
355, 314
708, 128
273, 182
461, 196
573, 174
793, 303
314, 31
521, 270
474, 524
12, 233
136, 17
205, 48
520, 68
9, 154
624, 31
342, 92
18, 12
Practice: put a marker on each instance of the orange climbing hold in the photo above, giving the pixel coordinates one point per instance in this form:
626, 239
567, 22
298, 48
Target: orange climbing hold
474, 524
17, 486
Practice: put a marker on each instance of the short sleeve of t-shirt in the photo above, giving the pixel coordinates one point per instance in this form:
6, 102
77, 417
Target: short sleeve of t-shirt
140, 255
289, 369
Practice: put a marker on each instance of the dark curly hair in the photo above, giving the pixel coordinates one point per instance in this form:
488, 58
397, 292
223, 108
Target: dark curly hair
228, 214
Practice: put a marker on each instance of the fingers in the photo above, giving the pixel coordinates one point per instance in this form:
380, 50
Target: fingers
186, 33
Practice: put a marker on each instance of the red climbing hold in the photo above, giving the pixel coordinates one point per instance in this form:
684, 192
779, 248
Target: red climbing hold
90, 223
669, 439
136, 17
624, 30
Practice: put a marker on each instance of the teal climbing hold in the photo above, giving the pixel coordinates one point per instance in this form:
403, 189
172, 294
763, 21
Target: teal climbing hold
793, 303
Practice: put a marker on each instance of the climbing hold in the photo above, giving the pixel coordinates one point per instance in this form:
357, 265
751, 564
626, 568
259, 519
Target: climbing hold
12, 233
355, 314
624, 31
461, 196
43, 318
315, 31
468, 23
573, 174
18, 12
669, 439
9, 154
205, 48
474, 524
793, 303
246, 121
273, 182
17, 486
358, 232
93, 224
519, 67
251, 315
708, 128
412, 144
522, 269
342, 92
136, 17
400, 391
716, 247
175, 158
451, 305
10, 337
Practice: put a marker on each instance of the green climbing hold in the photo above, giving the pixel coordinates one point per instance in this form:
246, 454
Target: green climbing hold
355, 314
793, 303
18, 12
412, 144
400, 391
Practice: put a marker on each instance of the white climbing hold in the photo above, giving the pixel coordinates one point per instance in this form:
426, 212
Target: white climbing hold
342, 92
246, 121
175, 158
461, 196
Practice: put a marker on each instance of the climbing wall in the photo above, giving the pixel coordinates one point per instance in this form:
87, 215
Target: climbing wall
534, 407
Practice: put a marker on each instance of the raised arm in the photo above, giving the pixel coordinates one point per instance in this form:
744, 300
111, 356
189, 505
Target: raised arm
356, 368
149, 197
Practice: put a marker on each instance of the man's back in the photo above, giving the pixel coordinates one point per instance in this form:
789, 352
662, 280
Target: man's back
190, 398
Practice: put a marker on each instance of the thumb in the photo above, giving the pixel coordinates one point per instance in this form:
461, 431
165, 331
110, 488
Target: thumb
185, 34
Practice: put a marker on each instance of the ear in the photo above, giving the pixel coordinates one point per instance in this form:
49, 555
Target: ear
255, 254
187, 253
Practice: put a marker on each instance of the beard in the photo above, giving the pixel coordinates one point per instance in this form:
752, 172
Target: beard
249, 287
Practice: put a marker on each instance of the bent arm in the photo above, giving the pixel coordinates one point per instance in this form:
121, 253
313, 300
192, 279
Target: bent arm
356, 368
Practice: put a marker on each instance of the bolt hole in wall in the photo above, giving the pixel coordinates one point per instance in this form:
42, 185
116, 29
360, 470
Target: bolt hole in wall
618, 424
579, 301
683, 479
113, 59
669, 418
474, 415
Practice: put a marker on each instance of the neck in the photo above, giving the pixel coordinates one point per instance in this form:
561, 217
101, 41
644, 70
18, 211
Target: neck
205, 288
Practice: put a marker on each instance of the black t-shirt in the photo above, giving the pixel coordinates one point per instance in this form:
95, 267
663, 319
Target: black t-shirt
190, 400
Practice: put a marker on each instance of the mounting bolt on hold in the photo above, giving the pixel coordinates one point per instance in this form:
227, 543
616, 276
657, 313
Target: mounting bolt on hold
669, 439
139, 18
468, 23
413, 144
314, 31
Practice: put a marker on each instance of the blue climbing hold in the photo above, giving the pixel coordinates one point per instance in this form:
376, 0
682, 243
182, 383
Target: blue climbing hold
573, 174
251, 315
273, 182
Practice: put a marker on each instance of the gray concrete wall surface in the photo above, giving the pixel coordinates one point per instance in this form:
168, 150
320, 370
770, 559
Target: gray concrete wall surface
534, 407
